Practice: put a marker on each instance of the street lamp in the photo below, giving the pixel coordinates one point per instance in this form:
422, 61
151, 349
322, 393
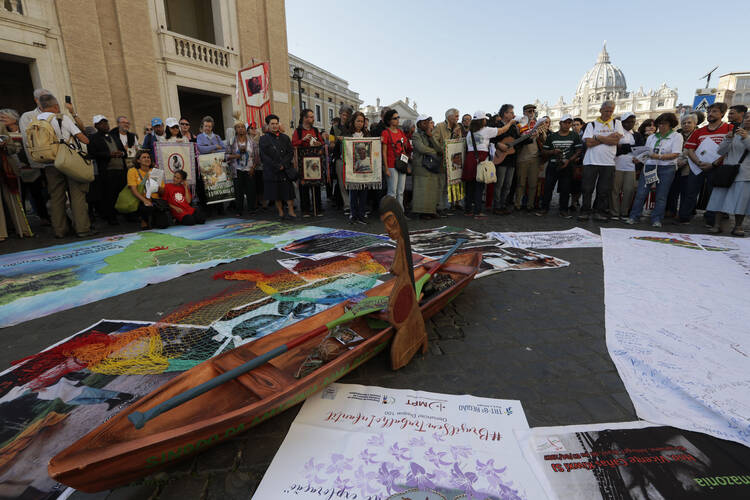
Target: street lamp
299, 73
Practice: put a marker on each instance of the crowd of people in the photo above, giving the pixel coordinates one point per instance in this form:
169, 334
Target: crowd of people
607, 169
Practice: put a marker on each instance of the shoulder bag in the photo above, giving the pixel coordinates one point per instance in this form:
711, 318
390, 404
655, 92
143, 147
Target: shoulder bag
399, 164
72, 163
724, 175
127, 203
430, 162
486, 172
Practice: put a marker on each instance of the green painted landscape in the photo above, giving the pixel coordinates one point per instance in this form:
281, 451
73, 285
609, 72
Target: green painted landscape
159, 249
13, 288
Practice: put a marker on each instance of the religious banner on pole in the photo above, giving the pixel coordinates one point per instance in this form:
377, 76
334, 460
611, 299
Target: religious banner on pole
454, 167
219, 185
355, 441
254, 82
362, 162
174, 156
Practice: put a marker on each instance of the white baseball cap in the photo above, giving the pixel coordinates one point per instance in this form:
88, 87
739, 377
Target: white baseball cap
98, 118
171, 122
479, 115
421, 118
626, 115
566, 117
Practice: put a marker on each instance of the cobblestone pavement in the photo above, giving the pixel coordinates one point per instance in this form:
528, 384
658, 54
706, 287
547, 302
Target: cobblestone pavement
536, 336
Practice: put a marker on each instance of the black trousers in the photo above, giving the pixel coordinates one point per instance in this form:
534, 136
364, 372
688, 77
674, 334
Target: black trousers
306, 192
474, 191
112, 182
157, 214
196, 217
563, 179
244, 187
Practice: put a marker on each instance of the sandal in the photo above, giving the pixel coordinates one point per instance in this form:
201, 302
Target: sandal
738, 231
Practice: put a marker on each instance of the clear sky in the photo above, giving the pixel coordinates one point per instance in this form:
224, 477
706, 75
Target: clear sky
480, 54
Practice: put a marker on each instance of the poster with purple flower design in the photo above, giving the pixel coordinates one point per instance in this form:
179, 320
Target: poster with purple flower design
362, 442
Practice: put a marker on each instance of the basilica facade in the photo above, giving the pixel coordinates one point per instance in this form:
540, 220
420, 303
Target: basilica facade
606, 82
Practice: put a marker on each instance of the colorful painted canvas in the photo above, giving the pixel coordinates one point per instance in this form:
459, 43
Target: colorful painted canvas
43, 281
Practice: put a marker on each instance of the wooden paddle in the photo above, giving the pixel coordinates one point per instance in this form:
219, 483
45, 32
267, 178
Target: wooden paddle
364, 307
426, 277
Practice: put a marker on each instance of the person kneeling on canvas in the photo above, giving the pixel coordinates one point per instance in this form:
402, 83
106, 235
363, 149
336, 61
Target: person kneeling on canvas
177, 195
153, 211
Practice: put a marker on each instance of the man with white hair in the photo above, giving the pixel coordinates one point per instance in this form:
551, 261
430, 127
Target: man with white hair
601, 138
449, 129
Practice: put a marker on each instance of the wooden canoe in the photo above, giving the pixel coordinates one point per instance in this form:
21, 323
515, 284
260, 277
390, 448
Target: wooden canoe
115, 453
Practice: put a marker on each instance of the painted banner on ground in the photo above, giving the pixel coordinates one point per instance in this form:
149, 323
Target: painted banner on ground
386, 443
372, 261
677, 330
500, 259
49, 401
636, 460
47, 280
438, 240
218, 183
572, 238
259, 318
331, 244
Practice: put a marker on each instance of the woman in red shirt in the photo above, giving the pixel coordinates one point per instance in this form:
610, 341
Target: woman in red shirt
396, 148
177, 194
308, 142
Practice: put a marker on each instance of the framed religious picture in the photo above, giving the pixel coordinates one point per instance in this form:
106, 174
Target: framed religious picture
362, 162
219, 185
174, 156
312, 169
454, 160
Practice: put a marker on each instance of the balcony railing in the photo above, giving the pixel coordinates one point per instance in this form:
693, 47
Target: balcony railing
15, 6
196, 51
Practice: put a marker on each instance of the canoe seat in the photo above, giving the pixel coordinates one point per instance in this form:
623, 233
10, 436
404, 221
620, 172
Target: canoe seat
264, 381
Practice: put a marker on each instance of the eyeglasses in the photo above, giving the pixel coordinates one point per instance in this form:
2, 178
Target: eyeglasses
395, 118
185, 123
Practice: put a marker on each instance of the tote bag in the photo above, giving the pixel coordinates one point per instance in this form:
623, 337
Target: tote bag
486, 171
71, 162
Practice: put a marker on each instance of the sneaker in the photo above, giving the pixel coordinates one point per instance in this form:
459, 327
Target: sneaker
347, 212
361, 222
601, 218
541, 213
565, 214
656, 224
631, 221
584, 217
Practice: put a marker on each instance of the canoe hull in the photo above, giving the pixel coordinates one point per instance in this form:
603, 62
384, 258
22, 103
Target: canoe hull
92, 470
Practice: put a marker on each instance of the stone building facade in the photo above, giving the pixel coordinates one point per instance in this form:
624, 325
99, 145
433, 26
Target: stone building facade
322, 92
142, 58
734, 88
603, 82
407, 110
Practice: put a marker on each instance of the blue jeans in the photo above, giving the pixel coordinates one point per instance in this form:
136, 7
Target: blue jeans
691, 188
396, 185
666, 175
